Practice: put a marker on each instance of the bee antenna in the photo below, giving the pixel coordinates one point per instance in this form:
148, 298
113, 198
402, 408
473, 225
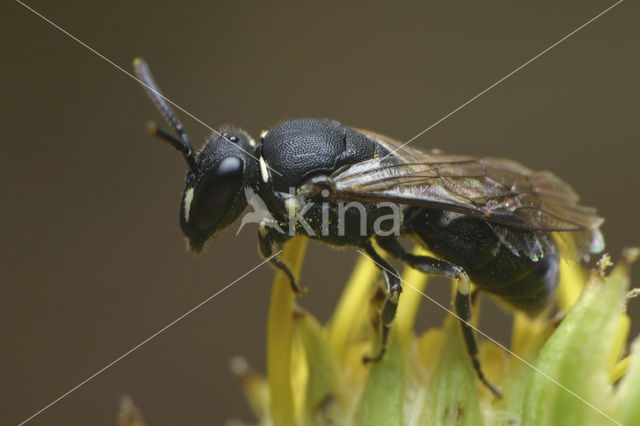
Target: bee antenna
182, 142
174, 142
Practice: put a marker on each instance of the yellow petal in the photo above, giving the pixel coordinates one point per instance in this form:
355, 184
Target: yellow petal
350, 314
414, 282
129, 415
299, 378
620, 369
429, 347
254, 386
323, 384
280, 334
619, 339
572, 279
526, 332
628, 392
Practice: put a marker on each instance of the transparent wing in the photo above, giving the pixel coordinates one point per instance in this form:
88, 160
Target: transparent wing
500, 191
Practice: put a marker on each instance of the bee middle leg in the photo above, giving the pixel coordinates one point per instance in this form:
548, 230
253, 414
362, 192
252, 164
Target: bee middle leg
390, 304
463, 298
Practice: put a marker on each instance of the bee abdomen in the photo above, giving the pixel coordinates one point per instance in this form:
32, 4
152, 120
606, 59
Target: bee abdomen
469, 242
530, 293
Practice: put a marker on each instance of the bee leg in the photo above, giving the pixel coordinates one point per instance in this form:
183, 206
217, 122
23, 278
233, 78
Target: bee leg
426, 264
390, 305
267, 246
463, 298
463, 309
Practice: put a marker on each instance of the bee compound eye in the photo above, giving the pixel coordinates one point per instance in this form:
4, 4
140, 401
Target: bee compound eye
215, 194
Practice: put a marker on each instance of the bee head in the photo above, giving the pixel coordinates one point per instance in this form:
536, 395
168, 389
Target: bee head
214, 195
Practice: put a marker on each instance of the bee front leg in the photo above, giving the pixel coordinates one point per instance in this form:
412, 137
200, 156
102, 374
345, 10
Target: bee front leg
390, 305
268, 245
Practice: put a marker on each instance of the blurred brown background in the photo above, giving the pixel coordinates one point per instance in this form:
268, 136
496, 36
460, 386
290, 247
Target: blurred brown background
93, 260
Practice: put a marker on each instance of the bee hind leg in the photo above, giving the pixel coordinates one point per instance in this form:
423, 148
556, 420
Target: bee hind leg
463, 309
463, 299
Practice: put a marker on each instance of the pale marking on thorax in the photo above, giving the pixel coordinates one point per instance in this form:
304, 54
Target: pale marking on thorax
264, 170
188, 199
292, 206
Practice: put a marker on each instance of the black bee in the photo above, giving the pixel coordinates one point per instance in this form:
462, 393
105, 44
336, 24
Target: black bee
490, 220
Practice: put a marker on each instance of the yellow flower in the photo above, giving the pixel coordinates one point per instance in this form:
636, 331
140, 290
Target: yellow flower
574, 373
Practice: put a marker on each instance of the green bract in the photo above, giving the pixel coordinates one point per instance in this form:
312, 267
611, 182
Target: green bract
574, 373
571, 373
